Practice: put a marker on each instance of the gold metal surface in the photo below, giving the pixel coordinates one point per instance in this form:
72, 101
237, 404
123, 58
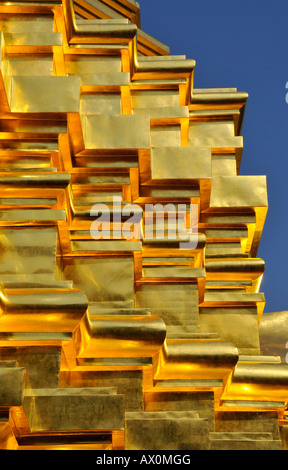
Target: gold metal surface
115, 335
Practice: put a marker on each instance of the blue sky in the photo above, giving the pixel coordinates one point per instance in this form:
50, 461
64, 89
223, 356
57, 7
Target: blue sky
242, 45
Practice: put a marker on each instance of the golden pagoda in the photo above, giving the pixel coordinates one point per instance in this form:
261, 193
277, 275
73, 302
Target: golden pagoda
131, 312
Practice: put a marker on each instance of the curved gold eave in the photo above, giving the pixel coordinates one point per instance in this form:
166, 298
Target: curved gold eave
258, 382
98, 33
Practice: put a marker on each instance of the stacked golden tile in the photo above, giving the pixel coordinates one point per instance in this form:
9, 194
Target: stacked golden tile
116, 342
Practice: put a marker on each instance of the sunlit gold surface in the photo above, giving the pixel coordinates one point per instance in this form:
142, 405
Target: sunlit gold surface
119, 343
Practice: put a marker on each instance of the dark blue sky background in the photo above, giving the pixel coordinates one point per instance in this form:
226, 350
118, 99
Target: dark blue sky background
243, 45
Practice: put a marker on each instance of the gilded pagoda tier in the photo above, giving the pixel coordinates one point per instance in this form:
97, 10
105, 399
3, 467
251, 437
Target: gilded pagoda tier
130, 303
